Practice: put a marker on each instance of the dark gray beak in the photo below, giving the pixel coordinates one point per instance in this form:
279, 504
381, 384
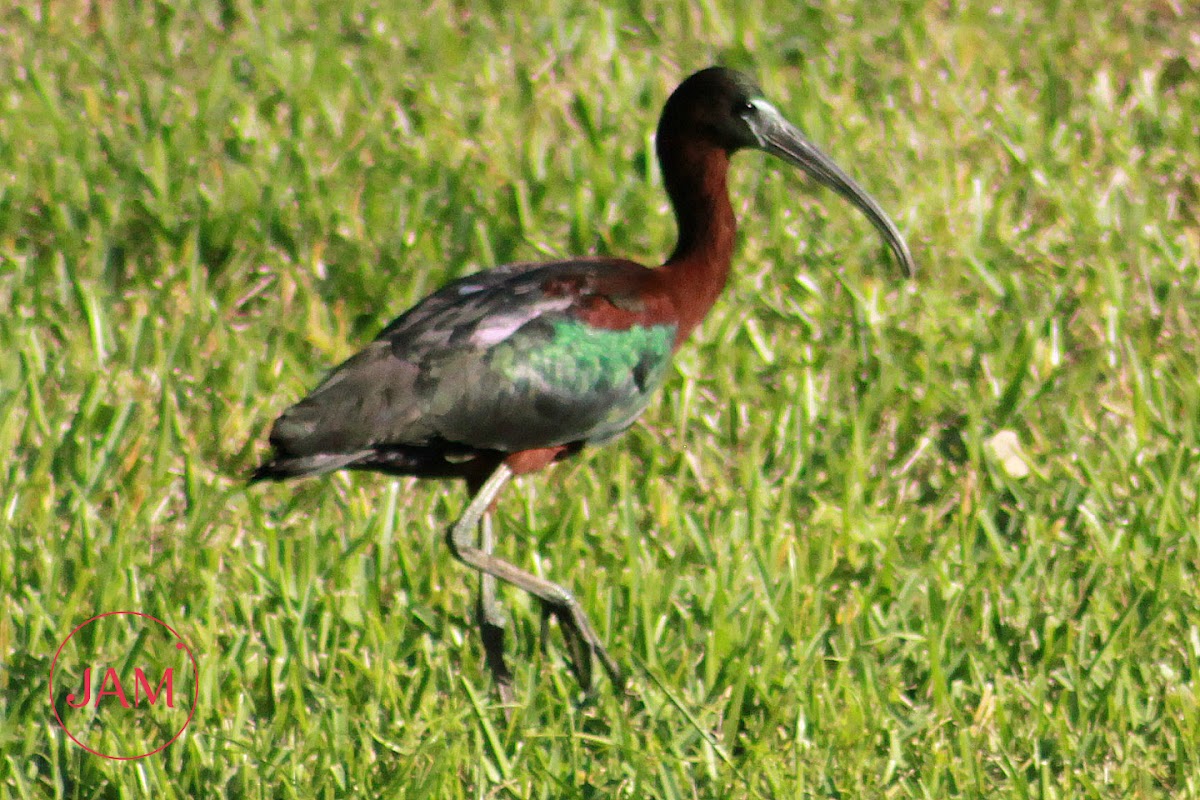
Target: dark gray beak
783, 139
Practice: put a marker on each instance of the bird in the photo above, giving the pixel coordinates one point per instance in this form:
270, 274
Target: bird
507, 371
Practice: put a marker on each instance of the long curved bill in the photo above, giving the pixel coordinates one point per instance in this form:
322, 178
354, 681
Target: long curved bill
783, 139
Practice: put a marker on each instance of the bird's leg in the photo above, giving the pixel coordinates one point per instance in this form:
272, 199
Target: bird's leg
575, 640
491, 618
560, 601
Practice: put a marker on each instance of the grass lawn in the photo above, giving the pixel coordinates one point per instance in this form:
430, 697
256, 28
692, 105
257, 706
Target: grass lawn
875, 539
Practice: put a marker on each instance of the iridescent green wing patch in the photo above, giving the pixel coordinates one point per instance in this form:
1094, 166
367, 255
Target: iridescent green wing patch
609, 376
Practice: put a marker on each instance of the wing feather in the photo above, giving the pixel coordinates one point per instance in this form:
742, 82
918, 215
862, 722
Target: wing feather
498, 361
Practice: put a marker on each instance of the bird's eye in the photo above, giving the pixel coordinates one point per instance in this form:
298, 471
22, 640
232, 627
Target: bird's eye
744, 108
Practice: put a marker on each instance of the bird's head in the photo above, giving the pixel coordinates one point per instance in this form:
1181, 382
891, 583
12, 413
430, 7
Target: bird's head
727, 110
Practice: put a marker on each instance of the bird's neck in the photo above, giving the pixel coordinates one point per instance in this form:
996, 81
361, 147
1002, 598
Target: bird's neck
695, 177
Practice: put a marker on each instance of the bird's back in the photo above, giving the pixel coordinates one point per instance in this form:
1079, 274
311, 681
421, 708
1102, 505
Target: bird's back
521, 357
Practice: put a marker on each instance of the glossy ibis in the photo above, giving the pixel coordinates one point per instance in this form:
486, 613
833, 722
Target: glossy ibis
507, 371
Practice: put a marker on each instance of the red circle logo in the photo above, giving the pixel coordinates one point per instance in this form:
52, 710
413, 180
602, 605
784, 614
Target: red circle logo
124, 685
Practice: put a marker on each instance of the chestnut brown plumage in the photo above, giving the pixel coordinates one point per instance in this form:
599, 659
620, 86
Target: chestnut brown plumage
509, 370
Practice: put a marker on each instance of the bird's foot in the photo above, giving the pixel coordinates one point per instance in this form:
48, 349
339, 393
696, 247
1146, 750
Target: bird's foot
491, 632
582, 642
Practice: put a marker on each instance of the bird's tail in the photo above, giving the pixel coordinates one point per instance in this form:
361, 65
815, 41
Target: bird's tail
282, 468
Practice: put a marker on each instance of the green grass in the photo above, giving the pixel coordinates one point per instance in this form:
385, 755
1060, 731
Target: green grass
827, 573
